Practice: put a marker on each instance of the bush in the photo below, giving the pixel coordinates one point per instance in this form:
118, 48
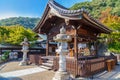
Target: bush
5, 56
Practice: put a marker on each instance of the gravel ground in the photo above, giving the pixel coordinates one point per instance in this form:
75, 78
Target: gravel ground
13, 66
46, 75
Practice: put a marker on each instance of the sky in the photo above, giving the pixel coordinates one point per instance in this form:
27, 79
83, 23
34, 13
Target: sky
28, 8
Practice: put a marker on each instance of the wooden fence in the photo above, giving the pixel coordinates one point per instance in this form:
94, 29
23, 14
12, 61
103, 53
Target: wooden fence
39, 51
36, 58
82, 68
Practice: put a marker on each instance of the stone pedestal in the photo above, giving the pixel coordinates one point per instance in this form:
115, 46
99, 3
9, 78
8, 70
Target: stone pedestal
24, 60
61, 76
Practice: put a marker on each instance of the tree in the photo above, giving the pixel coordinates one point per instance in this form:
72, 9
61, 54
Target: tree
15, 34
112, 22
96, 6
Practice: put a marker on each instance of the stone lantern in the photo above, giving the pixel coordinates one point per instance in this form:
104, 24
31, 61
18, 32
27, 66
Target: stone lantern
25, 50
62, 50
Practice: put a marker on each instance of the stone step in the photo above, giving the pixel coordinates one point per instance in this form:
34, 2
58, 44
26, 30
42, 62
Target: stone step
46, 67
50, 61
47, 64
48, 57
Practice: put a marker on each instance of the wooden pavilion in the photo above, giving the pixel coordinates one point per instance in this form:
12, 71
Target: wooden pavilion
78, 23
82, 27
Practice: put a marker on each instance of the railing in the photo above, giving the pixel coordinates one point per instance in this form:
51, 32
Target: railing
35, 59
39, 51
90, 67
83, 68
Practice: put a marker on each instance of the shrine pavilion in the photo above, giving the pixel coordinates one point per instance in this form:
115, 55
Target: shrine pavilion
78, 23
83, 29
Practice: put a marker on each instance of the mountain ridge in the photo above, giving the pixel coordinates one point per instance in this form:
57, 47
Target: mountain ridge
27, 22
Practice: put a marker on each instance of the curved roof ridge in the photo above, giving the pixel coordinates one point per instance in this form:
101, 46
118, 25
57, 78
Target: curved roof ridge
59, 5
65, 11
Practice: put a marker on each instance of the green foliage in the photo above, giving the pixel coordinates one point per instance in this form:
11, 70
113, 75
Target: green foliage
5, 56
96, 6
114, 23
15, 34
24, 21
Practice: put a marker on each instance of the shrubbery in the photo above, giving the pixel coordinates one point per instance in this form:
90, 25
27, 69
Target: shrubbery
5, 56
15, 34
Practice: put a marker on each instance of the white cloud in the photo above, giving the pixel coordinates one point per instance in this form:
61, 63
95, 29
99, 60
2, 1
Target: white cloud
7, 15
11, 14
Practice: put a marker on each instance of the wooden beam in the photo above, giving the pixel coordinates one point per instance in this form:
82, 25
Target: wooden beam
76, 44
47, 46
96, 49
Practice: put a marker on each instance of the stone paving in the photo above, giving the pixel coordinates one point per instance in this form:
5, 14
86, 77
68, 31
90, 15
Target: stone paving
16, 72
13, 66
113, 75
46, 75
23, 72
12, 71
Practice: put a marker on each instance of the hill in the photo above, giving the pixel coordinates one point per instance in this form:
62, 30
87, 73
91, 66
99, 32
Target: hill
23, 21
96, 6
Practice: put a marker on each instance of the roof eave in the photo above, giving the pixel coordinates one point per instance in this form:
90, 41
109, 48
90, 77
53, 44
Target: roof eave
97, 23
35, 29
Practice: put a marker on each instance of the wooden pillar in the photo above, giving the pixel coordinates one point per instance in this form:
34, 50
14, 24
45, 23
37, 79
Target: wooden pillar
76, 28
76, 44
0, 51
96, 50
47, 46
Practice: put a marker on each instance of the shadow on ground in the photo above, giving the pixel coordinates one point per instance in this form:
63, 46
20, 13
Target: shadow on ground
10, 78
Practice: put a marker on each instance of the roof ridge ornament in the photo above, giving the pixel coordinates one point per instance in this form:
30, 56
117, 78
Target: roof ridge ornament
67, 21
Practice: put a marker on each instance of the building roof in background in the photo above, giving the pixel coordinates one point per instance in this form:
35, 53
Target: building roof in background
43, 36
9, 46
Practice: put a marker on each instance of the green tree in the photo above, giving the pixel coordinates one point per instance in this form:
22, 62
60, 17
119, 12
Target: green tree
15, 34
114, 23
1, 38
96, 6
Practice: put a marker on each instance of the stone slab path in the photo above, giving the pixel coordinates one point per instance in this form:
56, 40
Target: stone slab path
13, 66
113, 75
23, 72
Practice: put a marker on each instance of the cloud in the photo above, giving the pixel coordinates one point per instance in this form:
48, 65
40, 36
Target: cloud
12, 14
7, 15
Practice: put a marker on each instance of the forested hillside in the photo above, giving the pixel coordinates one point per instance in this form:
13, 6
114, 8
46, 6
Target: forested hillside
96, 6
107, 12
23, 21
